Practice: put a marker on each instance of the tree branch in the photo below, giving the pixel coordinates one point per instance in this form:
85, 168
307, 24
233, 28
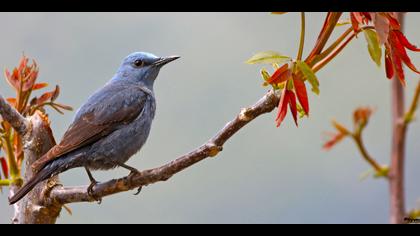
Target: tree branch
9, 114
62, 195
396, 170
38, 140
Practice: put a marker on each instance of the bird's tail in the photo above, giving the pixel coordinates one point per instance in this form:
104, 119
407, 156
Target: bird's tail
42, 175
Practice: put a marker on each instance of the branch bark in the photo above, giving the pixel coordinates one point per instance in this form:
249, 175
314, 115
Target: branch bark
396, 171
37, 139
44, 203
9, 114
62, 195
31, 209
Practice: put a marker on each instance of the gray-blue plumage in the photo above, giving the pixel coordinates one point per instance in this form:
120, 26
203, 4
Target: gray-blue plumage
110, 127
127, 138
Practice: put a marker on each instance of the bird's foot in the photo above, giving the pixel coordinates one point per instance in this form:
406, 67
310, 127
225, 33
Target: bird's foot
133, 172
138, 190
130, 177
91, 193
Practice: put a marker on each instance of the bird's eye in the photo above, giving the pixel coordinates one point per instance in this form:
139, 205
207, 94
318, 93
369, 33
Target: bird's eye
138, 63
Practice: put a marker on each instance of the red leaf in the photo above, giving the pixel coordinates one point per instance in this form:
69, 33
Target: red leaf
404, 41
367, 17
393, 22
354, 22
44, 97
301, 94
358, 17
12, 78
56, 92
284, 76
400, 50
389, 68
292, 105
398, 67
334, 139
7, 73
4, 167
362, 115
29, 83
49, 96
381, 24
276, 77
15, 73
282, 108
39, 86
23, 62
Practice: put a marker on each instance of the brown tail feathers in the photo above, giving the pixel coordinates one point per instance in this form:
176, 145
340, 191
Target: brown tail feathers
42, 175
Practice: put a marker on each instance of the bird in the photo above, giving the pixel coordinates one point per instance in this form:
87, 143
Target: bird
110, 127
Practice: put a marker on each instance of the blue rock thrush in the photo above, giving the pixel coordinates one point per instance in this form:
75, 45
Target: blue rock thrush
109, 128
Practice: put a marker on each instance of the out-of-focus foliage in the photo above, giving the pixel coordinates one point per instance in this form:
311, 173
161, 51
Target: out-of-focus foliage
23, 80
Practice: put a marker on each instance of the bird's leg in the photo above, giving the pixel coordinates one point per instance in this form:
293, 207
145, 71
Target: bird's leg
133, 171
93, 182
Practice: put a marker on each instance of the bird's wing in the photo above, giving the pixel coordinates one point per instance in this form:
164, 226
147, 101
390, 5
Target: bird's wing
123, 105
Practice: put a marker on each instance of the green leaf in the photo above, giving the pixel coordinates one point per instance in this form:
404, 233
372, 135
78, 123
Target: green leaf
268, 57
363, 176
309, 75
373, 46
266, 76
342, 23
300, 110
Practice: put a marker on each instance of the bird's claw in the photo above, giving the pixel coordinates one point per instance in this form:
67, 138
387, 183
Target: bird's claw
138, 190
130, 180
131, 175
91, 194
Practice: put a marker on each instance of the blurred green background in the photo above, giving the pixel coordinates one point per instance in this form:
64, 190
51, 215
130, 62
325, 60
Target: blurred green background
265, 174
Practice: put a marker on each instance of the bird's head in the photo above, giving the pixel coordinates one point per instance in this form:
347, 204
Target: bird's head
142, 67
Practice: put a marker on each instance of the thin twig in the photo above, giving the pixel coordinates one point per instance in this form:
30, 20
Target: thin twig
302, 36
359, 143
409, 115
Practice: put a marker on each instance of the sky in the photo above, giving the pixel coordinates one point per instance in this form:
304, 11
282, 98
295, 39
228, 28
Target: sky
264, 174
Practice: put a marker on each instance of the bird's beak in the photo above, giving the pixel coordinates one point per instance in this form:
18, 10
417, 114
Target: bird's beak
165, 60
